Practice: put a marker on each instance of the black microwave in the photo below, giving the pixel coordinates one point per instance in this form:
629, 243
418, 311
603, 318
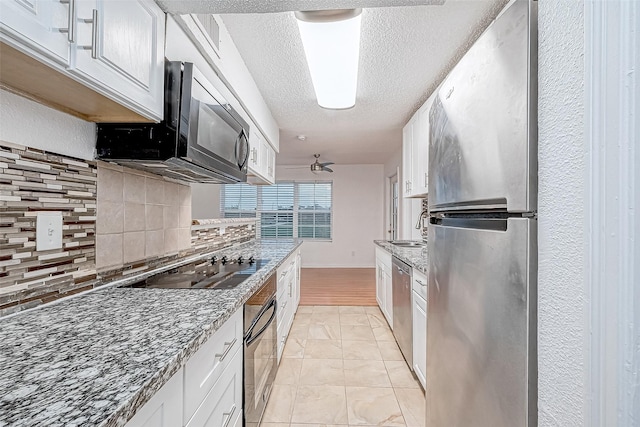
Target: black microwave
201, 138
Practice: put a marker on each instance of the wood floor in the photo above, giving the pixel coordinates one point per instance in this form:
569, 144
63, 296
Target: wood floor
338, 286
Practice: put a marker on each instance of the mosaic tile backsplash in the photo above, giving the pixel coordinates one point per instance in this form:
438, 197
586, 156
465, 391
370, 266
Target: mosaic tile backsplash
116, 222
33, 181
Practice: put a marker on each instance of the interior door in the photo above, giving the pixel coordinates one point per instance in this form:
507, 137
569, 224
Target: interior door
394, 198
481, 334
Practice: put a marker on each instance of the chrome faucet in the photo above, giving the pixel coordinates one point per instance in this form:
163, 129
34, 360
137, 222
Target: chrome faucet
423, 214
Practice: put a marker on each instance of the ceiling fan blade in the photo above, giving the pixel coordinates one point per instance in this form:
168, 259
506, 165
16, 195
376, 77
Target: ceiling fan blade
327, 164
326, 169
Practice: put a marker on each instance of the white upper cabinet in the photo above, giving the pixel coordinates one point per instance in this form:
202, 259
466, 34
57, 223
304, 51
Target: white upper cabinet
261, 159
39, 25
102, 60
407, 157
120, 52
415, 152
420, 177
214, 44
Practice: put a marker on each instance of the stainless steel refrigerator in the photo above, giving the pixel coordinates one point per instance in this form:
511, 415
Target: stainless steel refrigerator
481, 315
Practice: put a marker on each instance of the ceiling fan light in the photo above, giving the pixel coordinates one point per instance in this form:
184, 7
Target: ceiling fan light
331, 41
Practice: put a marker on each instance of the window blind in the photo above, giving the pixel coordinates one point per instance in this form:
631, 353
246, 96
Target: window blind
285, 210
276, 206
238, 201
314, 210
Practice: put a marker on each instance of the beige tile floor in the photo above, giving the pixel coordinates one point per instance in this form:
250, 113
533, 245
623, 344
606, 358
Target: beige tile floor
341, 366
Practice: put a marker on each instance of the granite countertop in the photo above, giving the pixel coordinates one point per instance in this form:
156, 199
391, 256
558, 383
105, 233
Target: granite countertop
94, 359
416, 257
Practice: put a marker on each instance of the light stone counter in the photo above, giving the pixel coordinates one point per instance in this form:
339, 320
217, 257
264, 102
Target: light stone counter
93, 360
416, 257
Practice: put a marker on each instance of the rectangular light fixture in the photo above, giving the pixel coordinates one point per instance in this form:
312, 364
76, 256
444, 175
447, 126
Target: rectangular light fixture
331, 40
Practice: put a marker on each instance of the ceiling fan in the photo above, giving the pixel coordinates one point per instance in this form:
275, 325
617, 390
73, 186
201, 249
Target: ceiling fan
320, 167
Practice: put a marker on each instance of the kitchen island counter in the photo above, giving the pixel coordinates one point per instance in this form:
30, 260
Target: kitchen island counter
94, 359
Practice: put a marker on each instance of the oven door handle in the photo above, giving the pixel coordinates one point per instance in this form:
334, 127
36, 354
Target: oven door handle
250, 338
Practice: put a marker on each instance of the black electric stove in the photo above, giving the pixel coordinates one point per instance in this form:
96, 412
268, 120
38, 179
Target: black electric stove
204, 274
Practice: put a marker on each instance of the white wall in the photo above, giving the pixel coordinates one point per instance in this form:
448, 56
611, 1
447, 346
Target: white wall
205, 201
563, 298
28, 123
358, 207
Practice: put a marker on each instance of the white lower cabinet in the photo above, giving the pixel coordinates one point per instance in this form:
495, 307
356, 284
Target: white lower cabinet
210, 362
288, 297
207, 390
384, 290
165, 407
419, 310
223, 405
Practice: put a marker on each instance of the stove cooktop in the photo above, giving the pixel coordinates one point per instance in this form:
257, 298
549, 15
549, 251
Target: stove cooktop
204, 274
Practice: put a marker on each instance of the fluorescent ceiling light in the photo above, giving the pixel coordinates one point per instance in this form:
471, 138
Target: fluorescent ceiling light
331, 41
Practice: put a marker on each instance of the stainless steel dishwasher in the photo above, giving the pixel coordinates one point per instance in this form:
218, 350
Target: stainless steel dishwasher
402, 320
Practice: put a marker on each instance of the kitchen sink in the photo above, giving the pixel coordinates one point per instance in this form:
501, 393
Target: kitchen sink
408, 244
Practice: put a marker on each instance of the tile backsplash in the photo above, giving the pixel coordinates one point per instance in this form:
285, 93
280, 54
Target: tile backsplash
425, 223
141, 216
33, 181
116, 222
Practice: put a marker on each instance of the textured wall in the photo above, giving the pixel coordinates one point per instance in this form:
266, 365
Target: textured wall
28, 123
562, 296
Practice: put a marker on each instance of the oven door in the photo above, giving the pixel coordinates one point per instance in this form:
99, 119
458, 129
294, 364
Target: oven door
217, 137
260, 362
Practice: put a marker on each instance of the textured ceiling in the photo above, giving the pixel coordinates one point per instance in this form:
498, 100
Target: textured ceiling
269, 6
405, 53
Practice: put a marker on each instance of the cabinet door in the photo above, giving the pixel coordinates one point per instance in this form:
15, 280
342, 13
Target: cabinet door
39, 28
223, 404
165, 407
120, 52
388, 297
420, 338
271, 168
298, 269
254, 153
420, 151
379, 285
407, 156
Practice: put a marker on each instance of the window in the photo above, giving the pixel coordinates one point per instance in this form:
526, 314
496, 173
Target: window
238, 201
314, 210
285, 210
276, 211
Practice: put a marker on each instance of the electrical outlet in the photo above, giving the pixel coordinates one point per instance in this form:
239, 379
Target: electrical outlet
221, 231
250, 227
353, 253
48, 231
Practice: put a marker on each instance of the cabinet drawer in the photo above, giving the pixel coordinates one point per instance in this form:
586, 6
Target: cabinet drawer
419, 283
223, 404
205, 367
283, 306
284, 276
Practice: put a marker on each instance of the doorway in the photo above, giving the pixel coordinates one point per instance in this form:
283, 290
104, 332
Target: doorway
394, 198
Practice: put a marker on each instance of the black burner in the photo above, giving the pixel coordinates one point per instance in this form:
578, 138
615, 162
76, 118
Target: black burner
205, 274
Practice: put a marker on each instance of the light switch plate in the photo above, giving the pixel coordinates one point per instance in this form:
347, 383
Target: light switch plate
48, 231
